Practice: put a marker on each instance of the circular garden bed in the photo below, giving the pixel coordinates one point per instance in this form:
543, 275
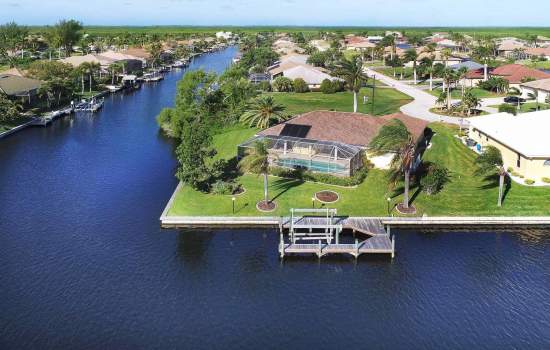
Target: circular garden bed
401, 209
327, 196
266, 206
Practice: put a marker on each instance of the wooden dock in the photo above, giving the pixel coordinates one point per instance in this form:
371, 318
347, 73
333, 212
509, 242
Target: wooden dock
326, 229
380, 244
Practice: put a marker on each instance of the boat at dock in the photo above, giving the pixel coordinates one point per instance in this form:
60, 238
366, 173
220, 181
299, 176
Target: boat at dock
153, 76
89, 106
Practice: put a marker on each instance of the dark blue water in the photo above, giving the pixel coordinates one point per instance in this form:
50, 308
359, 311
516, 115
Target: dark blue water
84, 264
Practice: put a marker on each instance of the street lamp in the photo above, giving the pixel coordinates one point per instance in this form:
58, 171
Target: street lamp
313, 202
233, 202
389, 200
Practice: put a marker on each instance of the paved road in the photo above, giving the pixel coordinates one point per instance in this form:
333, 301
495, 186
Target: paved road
423, 101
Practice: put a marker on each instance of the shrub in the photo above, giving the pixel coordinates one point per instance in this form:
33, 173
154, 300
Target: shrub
546, 180
508, 108
282, 84
331, 86
515, 173
300, 85
264, 86
224, 187
434, 179
326, 87
529, 181
307, 175
510, 169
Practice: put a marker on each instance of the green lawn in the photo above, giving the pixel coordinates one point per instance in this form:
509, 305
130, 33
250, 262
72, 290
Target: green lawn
5, 126
538, 64
386, 101
529, 107
388, 71
464, 195
457, 93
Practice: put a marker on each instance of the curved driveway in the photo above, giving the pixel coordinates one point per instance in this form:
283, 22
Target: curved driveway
423, 101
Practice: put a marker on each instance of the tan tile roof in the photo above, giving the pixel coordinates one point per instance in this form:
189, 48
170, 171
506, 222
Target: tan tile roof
543, 84
345, 127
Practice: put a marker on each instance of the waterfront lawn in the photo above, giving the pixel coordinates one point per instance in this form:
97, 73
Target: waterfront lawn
5, 126
466, 194
528, 107
386, 101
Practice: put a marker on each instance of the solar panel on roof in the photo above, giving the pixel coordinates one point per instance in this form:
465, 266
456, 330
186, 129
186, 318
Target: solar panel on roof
295, 130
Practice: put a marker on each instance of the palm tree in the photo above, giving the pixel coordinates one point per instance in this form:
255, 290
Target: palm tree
411, 56
115, 68
470, 101
262, 111
461, 75
351, 70
258, 162
427, 67
489, 163
396, 138
449, 77
534, 96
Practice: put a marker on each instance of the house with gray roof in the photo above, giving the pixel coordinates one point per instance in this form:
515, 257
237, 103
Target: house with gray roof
15, 86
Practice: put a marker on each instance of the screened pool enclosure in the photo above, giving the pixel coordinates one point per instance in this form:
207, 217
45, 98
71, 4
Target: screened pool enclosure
318, 156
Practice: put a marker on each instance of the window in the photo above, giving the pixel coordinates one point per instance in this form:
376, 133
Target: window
547, 162
518, 162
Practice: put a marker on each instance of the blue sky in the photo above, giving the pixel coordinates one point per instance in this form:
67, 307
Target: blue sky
282, 12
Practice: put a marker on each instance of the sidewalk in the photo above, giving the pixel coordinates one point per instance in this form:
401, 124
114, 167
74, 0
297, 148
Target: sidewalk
423, 101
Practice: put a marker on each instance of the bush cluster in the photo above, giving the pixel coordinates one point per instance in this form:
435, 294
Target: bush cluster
306, 175
331, 86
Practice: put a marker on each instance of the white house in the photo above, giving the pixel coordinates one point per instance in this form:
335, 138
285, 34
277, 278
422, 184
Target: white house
540, 87
224, 35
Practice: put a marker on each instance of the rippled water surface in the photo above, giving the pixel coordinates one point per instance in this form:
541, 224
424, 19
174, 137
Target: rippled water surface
84, 264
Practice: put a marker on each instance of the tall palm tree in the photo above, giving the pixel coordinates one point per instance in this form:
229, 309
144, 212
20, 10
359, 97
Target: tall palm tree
257, 161
427, 67
351, 70
115, 68
395, 138
412, 56
449, 77
263, 111
489, 163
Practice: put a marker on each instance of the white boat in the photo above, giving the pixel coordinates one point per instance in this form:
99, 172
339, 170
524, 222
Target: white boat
153, 76
113, 88
179, 64
90, 106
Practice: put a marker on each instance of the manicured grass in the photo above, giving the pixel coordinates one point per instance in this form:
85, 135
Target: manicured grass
538, 64
457, 93
5, 126
466, 194
386, 101
408, 73
226, 143
529, 107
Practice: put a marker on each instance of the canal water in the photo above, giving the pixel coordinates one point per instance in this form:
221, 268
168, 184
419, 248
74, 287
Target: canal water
84, 264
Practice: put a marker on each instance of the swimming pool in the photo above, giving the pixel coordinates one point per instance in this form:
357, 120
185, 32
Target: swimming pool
313, 165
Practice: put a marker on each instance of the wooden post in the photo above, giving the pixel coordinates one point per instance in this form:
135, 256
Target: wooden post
320, 249
393, 247
356, 248
281, 245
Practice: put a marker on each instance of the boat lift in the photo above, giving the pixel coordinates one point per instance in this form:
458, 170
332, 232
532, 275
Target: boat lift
314, 225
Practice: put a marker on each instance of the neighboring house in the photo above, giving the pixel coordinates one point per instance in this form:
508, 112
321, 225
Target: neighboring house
512, 48
436, 56
313, 76
16, 86
469, 65
285, 46
514, 73
517, 74
361, 45
536, 52
448, 44
540, 87
329, 142
105, 59
397, 35
523, 140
